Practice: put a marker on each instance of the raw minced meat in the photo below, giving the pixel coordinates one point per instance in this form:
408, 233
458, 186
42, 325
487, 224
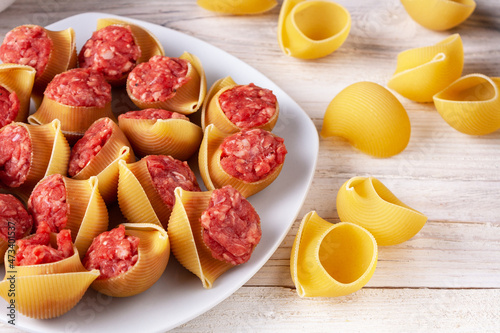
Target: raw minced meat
48, 204
9, 106
153, 114
158, 79
79, 87
167, 173
27, 45
251, 155
37, 249
112, 253
89, 145
13, 215
231, 226
112, 51
15, 155
248, 106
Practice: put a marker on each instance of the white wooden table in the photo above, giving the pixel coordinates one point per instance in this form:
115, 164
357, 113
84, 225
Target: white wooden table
445, 278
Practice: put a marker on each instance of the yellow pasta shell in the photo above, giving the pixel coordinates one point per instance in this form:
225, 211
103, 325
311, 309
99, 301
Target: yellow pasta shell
75, 120
18, 78
213, 174
213, 114
147, 42
62, 58
330, 260
50, 155
178, 138
424, 71
153, 255
471, 104
105, 164
367, 202
189, 97
138, 199
370, 117
186, 237
312, 29
238, 7
439, 14
47, 296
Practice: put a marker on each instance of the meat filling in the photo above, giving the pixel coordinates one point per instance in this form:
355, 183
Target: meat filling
37, 249
9, 106
15, 155
14, 219
153, 114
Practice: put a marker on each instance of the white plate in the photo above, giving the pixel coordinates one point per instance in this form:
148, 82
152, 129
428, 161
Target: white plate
178, 296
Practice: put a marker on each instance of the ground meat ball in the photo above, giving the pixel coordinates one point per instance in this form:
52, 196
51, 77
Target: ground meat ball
153, 114
37, 249
79, 87
15, 155
13, 212
248, 106
112, 253
158, 79
231, 226
251, 155
9, 106
89, 145
111, 51
27, 45
168, 173
48, 205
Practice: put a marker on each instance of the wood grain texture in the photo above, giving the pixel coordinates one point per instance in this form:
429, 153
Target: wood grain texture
445, 278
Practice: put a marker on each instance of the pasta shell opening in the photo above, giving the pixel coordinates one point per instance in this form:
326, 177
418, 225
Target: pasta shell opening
312, 29
18, 79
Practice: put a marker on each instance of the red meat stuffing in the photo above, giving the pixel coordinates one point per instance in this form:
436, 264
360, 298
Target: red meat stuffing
13, 214
9, 106
37, 249
153, 114
15, 155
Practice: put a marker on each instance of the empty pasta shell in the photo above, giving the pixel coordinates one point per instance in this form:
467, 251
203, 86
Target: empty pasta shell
439, 14
105, 164
471, 104
138, 199
368, 203
178, 138
49, 295
213, 114
330, 260
424, 71
213, 174
186, 237
75, 120
189, 97
50, 155
153, 255
238, 7
370, 117
312, 29
18, 79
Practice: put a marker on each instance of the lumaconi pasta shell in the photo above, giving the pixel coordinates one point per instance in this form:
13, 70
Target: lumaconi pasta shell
105, 164
370, 117
312, 29
186, 237
50, 155
18, 78
213, 114
329, 260
138, 199
75, 120
178, 138
368, 203
62, 57
147, 42
153, 255
88, 215
238, 7
213, 174
424, 71
50, 295
189, 97
439, 14
471, 104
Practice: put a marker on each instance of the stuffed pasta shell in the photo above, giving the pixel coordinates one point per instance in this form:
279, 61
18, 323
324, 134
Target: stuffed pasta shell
16, 84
